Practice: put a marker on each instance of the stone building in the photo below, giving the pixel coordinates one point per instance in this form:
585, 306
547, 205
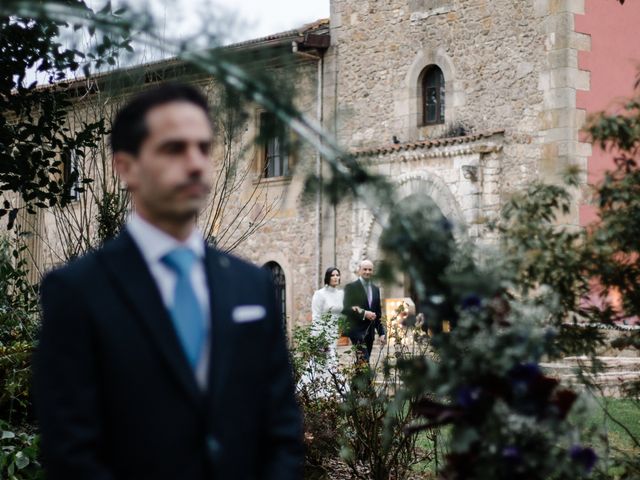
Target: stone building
460, 102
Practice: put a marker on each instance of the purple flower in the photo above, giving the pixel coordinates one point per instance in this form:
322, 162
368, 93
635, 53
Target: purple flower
468, 397
523, 376
445, 224
525, 372
471, 301
584, 456
511, 454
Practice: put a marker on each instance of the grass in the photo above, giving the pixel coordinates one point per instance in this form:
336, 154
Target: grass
432, 441
619, 419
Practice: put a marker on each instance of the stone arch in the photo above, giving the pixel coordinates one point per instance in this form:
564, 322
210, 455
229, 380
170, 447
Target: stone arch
420, 182
409, 99
416, 184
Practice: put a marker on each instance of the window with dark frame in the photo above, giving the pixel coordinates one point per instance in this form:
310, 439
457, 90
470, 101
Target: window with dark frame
280, 285
276, 157
71, 169
432, 96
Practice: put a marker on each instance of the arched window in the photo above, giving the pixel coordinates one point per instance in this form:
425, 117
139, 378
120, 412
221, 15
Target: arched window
432, 81
281, 289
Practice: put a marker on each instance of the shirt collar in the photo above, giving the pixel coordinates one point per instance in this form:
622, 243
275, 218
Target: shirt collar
154, 243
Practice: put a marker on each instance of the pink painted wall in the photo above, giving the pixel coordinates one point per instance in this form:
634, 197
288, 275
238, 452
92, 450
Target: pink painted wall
613, 61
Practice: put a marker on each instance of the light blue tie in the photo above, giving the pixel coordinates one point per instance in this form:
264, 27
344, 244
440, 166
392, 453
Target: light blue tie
186, 312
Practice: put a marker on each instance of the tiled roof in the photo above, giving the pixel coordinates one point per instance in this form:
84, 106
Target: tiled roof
424, 144
170, 62
297, 32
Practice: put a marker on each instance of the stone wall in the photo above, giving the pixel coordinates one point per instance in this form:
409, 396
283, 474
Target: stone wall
510, 70
290, 237
510, 66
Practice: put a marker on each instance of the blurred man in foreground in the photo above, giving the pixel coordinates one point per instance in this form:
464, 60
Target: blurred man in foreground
160, 357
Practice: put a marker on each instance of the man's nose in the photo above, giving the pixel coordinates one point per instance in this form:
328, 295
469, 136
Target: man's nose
196, 160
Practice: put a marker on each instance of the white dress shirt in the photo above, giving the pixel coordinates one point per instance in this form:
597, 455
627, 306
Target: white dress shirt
155, 244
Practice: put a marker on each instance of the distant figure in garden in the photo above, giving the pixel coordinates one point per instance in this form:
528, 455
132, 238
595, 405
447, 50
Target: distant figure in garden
363, 310
326, 308
160, 357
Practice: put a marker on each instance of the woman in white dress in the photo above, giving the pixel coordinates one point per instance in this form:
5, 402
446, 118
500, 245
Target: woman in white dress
326, 308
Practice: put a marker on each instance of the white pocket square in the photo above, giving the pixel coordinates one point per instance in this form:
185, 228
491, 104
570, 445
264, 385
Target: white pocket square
248, 313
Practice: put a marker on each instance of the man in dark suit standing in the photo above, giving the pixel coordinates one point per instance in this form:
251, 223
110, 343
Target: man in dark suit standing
363, 311
160, 357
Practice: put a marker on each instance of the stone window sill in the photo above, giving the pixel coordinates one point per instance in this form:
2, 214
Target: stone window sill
269, 181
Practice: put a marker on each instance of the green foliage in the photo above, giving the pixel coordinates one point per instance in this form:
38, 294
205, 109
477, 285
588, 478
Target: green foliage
541, 254
506, 417
317, 397
18, 455
621, 418
577, 263
594, 272
35, 137
615, 236
18, 322
352, 412
375, 444
619, 132
618, 421
112, 209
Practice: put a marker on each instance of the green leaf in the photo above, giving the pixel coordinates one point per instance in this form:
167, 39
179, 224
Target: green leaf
106, 9
21, 460
464, 439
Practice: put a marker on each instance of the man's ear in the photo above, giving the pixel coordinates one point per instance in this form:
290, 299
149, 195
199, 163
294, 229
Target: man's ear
124, 166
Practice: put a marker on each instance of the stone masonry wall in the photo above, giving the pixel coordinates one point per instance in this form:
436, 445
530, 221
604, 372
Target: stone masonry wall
290, 237
508, 66
491, 52
510, 69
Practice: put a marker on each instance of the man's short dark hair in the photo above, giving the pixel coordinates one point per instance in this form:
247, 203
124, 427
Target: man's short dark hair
129, 128
327, 274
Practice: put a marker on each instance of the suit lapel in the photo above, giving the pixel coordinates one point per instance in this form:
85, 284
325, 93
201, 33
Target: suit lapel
135, 284
365, 297
375, 294
221, 302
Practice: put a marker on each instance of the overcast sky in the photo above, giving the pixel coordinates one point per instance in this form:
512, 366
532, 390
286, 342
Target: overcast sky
244, 19
270, 16
229, 21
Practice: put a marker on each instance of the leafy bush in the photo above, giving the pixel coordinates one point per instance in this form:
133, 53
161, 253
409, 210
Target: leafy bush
354, 412
18, 455
18, 323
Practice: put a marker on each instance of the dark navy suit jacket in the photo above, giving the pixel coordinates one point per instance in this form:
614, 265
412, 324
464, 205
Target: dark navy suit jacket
116, 398
359, 328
